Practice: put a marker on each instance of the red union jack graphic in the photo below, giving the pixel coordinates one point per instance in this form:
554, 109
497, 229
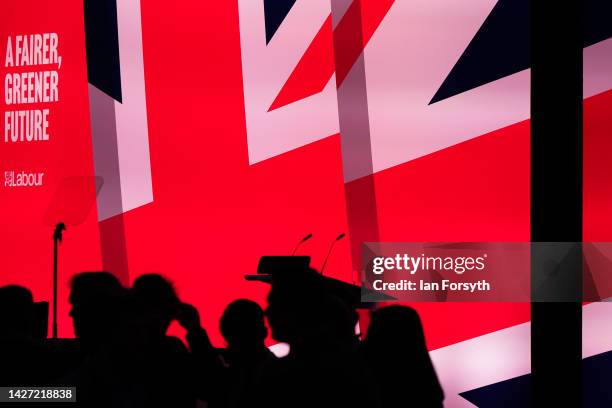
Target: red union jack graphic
271, 130
432, 109
118, 111
408, 50
225, 130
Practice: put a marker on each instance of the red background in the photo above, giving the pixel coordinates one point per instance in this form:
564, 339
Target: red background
213, 215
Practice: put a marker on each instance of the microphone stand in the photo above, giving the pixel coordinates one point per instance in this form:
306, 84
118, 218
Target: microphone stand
338, 238
57, 238
299, 244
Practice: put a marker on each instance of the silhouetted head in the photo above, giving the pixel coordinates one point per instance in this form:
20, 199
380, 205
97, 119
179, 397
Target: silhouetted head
243, 325
395, 348
302, 310
16, 311
156, 301
96, 299
396, 326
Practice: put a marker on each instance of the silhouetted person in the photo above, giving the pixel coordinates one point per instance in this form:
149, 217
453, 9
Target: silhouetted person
23, 359
96, 299
159, 303
396, 353
16, 312
211, 374
302, 312
103, 320
166, 365
322, 368
244, 329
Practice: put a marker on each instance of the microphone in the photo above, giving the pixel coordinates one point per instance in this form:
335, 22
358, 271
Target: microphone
338, 238
306, 238
57, 232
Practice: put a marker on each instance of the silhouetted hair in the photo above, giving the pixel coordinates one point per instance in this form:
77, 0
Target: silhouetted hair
90, 286
243, 322
395, 348
157, 292
396, 324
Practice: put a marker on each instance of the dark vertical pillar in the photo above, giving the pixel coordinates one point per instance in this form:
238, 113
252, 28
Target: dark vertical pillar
556, 201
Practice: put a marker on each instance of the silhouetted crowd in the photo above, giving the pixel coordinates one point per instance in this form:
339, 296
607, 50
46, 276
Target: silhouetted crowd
122, 356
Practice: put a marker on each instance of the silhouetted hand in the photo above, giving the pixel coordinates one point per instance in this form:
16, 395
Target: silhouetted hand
188, 317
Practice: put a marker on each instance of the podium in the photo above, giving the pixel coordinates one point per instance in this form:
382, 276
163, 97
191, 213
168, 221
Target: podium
274, 267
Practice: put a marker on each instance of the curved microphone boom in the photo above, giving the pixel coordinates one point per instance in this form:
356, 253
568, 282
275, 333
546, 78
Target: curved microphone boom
306, 238
338, 238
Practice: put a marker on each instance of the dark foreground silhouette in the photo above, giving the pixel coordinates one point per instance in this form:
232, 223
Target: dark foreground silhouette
122, 356
395, 350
